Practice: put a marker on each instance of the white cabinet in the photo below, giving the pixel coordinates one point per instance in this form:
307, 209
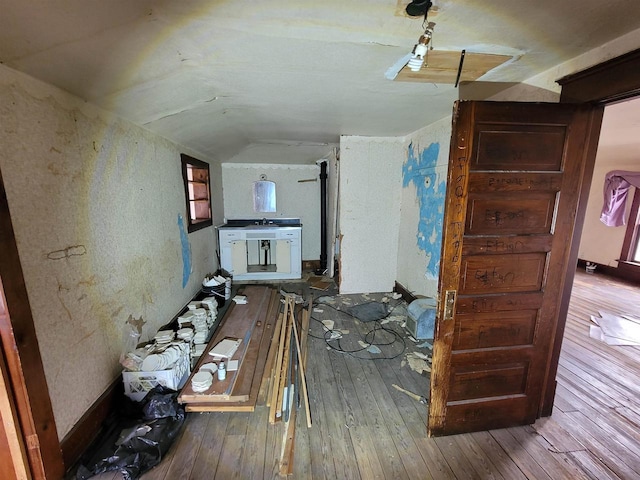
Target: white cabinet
261, 252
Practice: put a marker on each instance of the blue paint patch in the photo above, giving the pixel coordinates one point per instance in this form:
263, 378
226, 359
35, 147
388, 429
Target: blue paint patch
430, 190
186, 252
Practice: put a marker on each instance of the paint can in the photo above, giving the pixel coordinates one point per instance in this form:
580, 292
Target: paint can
227, 289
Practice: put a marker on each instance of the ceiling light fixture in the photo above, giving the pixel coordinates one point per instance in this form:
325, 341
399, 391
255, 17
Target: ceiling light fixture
418, 8
421, 49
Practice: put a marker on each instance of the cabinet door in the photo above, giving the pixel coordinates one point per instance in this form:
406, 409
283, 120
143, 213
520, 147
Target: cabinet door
238, 257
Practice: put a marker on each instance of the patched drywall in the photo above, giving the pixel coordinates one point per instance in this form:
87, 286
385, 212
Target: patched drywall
297, 196
95, 203
424, 177
369, 217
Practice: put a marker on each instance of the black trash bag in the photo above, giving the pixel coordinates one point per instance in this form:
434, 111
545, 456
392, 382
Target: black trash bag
143, 445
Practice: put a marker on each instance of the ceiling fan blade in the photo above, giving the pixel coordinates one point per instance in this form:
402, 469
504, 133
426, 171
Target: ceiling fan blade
393, 70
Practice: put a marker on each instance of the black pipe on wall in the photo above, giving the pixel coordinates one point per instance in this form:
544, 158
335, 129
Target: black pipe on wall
323, 219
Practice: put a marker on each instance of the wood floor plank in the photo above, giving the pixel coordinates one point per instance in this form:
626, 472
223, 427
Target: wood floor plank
482, 465
530, 467
459, 463
187, 447
206, 462
592, 467
368, 462
397, 430
253, 455
302, 454
541, 451
561, 440
505, 465
229, 464
319, 444
605, 446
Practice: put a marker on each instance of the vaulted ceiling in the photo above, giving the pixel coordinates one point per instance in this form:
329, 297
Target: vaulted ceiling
222, 76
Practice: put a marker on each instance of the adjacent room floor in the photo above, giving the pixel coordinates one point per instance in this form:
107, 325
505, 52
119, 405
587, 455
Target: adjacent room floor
364, 428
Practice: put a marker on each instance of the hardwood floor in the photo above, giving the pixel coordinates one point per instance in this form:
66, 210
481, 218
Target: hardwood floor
363, 428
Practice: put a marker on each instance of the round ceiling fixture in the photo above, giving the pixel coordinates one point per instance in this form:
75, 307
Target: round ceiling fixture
418, 8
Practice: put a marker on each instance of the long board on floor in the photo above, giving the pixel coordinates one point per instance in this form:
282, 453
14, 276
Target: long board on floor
249, 322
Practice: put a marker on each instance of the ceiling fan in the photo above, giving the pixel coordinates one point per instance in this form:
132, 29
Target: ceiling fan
424, 64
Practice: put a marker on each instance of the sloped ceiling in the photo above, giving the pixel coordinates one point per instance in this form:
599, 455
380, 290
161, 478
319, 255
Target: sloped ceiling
220, 76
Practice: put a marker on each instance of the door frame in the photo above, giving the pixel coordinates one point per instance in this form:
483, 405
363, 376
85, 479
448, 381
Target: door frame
19, 345
609, 82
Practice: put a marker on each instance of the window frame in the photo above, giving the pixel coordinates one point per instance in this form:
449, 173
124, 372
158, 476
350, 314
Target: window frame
195, 223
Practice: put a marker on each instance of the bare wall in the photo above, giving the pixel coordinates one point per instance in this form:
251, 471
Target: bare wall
98, 209
369, 218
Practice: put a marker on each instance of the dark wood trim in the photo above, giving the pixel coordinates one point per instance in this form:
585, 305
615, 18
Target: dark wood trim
606, 83
600, 268
88, 428
628, 272
22, 353
407, 296
311, 265
630, 234
614, 80
589, 150
186, 161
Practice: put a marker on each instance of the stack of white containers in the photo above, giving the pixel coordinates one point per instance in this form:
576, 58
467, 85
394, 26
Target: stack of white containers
199, 317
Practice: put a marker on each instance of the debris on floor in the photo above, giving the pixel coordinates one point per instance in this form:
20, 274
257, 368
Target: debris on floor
417, 362
415, 396
615, 329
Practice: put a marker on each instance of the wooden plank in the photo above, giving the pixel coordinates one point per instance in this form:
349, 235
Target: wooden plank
277, 367
265, 385
493, 451
320, 453
278, 394
484, 468
189, 445
539, 449
303, 379
442, 67
208, 455
248, 376
365, 453
240, 324
248, 383
288, 441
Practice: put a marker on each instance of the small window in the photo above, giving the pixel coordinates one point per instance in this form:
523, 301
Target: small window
195, 174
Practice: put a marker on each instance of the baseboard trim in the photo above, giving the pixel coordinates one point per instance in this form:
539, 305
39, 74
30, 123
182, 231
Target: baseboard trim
87, 429
625, 271
407, 296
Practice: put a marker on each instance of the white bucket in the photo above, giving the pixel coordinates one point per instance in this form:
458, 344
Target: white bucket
227, 289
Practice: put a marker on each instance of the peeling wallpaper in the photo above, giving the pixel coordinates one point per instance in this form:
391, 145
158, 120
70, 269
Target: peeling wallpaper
420, 171
424, 174
94, 202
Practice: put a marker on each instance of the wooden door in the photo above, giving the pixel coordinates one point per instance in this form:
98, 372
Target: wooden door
517, 175
13, 457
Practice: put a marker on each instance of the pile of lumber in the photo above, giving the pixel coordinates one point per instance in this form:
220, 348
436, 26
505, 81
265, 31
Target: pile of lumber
272, 358
254, 324
284, 385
